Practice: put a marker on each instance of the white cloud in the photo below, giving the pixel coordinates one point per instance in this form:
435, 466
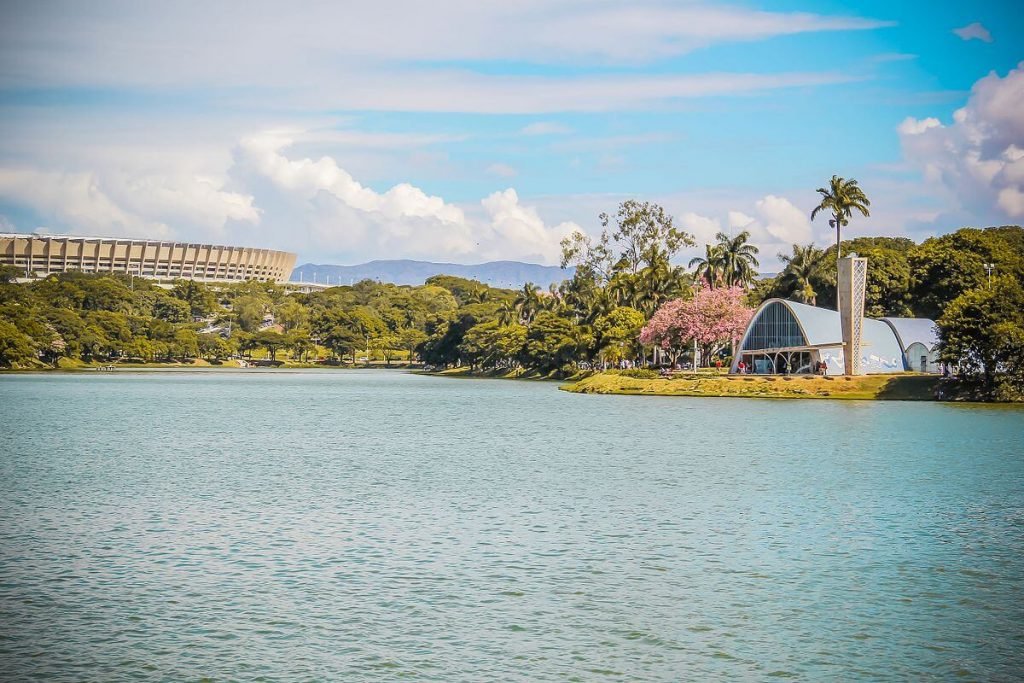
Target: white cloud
462, 91
739, 220
1011, 200
268, 193
977, 160
517, 229
182, 199
333, 214
76, 200
308, 177
784, 221
702, 228
912, 126
974, 31
776, 224
243, 44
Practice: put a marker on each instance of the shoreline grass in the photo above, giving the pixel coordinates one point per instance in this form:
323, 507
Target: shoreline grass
75, 365
897, 387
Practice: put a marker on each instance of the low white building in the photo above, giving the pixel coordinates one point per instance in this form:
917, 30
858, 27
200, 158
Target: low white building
786, 337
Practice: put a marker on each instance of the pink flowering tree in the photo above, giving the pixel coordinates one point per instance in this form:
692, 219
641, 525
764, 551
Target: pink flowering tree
714, 318
664, 329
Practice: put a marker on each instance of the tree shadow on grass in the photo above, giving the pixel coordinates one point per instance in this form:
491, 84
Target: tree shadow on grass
910, 388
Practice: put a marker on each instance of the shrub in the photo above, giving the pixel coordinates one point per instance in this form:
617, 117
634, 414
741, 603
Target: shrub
636, 373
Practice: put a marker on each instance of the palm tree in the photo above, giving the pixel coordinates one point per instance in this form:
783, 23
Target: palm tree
802, 266
739, 259
659, 283
709, 266
625, 289
507, 313
841, 198
478, 296
527, 302
552, 301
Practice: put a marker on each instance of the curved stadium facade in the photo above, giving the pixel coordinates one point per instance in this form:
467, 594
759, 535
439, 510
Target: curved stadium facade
40, 255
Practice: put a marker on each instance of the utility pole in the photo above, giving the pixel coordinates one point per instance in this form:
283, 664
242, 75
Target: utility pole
989, 267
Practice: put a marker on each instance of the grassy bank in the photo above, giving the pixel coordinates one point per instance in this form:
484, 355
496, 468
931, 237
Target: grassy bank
903, 387
74, 364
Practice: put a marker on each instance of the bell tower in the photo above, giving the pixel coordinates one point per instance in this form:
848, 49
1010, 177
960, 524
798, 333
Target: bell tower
853, 274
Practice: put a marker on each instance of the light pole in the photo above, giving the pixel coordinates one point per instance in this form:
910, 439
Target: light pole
989, 267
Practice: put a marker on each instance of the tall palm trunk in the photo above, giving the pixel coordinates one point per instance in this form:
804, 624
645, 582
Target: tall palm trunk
839, 255
839, 249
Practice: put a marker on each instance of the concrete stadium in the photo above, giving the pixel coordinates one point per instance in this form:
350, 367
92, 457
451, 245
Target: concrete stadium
40, 255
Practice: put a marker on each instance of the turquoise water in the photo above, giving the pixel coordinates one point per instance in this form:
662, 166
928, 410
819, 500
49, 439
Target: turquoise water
369, 525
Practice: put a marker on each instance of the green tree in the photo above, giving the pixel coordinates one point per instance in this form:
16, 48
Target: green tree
982, 331
9, 274
16, 349
943, 268
186, 343
618, 333
841, 198
802, 272
640, 234
462, 289
272, 341
738, 258
301, 346
103, 293
442, 347
213, 347
92, 341
552, 342
250, 309
171, 309
410, 339
710, 267
528, 302
201, 301
291, 314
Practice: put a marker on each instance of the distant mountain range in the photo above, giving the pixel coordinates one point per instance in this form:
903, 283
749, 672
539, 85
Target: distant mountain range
506, 274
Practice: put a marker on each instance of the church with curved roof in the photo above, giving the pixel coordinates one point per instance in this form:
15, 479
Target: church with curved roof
787, 338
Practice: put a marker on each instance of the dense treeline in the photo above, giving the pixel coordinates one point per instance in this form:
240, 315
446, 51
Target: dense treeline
626, 281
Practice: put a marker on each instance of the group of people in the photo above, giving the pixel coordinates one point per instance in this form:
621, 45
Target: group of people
820, 368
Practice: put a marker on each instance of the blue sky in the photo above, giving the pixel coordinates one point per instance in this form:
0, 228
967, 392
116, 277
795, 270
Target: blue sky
469, 131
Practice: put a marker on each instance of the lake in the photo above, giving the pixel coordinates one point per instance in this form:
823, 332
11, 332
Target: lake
368, 525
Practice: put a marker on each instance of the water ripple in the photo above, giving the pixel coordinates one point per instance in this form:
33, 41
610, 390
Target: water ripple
366, 526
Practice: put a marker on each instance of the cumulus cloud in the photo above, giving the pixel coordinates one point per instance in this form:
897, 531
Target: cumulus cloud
977, 159
339, 215
975, 31
703, 228
774, 223
784, 221
739, 220
309, 177
912, 126
77, 200
120, 202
